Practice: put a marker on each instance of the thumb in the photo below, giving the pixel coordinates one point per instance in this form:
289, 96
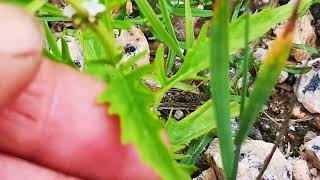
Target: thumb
20, 50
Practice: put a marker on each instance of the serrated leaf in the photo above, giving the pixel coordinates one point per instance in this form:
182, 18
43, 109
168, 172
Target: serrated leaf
131, 101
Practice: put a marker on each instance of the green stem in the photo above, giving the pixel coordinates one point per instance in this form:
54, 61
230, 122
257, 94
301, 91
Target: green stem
107, 40
236, 160
244, 91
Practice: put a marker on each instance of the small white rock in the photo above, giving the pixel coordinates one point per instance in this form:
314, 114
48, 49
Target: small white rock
178, 115
312, 150
283, 77
309, 136
308, 92
301, 170
253, 154
314, 172
260, 54
75, 50
134, 42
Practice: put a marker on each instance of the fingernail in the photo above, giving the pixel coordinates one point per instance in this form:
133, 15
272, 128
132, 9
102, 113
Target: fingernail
19, 32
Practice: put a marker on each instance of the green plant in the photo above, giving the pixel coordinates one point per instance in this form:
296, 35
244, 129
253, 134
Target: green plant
136, 105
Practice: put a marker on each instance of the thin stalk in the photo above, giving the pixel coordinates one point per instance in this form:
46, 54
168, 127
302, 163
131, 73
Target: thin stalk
168, 24
244, 91
106, 41
171, 61
104, 33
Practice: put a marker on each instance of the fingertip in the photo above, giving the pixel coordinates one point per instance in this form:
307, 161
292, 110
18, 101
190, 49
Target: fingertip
20, 31
21, 43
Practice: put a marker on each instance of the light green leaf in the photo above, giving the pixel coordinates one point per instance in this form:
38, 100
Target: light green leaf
195, 124
197, 146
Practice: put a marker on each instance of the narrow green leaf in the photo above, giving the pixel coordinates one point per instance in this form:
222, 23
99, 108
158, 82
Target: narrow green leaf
309, 49
197, 146
51, 40
189, 25
167, 21
236, 12
65, 50
297, 70
157, 26
196, 124
159, 68
220, 83
195, 12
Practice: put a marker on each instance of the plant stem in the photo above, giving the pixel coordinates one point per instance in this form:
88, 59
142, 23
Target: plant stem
107, 41
244, 91
102, 31
236, 160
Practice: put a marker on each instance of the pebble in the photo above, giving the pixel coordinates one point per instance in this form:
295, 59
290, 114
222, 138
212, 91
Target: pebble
283, 77
259, 54
253, 154
178, 115
308, 91
75, 50
312, 151
133, 42
255, 134
300, 170
309, 136
314, 172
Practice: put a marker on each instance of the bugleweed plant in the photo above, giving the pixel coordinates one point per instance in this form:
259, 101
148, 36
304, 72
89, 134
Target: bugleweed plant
136, 105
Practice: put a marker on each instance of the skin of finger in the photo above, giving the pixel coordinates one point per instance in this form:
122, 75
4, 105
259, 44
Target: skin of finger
12, 168
20, 50
56, 122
